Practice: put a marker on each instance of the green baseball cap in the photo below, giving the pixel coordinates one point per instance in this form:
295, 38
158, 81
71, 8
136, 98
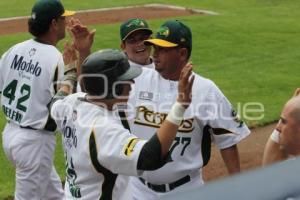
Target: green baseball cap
172, 33
133, 25
43, 11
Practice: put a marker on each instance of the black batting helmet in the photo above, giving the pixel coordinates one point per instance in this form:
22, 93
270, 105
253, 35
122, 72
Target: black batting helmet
102, 69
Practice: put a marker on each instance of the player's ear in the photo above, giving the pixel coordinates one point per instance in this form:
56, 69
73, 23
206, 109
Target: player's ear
123, 45
183, 52
54, 24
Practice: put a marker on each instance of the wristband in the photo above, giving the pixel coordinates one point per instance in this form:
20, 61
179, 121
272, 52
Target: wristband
275, 136
175, 115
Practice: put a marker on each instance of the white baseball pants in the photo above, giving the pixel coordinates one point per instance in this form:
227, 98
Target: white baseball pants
32, 152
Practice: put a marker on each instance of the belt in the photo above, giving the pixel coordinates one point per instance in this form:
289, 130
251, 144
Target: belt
166, 187
29, 127
26, 127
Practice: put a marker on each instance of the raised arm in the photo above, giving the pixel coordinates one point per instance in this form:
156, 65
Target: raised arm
168, 129
70, 78
273, 152
83, 39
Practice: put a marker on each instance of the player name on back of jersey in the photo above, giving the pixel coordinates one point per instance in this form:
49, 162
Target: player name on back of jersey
12, 114
22, 65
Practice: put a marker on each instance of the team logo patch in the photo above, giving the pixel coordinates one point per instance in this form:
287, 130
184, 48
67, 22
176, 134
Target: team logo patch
32, 52
129, 147
163, 31
136, 22
146, 95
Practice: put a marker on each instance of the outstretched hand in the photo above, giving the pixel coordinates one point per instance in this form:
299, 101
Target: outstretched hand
186, 81
83, 38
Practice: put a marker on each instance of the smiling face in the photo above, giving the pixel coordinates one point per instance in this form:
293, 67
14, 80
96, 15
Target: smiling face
135, 49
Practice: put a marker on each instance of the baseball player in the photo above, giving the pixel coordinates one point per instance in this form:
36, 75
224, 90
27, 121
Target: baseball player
99, 150
210, 116
133, 32
285, 139
29, 71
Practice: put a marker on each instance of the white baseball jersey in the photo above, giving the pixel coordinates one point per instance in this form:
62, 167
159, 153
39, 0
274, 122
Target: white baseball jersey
97, 148
26, 81
210, 114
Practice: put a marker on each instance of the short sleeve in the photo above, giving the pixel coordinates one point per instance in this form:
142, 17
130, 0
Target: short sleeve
118, 149
228, 128
57, 73
60, 110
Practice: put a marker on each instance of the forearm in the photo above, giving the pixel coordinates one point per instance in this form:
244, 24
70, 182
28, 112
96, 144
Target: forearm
64, 91
67, 86
273, 153
158, 146
155, 152
150, 157
231, 159
83, 54
167, 131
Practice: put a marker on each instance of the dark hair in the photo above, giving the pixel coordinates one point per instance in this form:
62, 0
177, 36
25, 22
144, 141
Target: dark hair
189, 51
38, 28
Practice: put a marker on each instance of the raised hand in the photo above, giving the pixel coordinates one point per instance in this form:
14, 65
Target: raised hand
83, 38
186, 81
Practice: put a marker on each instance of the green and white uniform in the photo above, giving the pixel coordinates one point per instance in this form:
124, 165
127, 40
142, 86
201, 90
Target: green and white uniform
100, 152
209, 116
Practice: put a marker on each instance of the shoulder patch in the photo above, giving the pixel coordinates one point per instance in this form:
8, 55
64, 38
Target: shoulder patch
129, 146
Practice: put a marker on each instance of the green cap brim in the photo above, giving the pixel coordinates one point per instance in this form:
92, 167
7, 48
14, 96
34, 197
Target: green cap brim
131, 73
145, 29
68, 13
160, 42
